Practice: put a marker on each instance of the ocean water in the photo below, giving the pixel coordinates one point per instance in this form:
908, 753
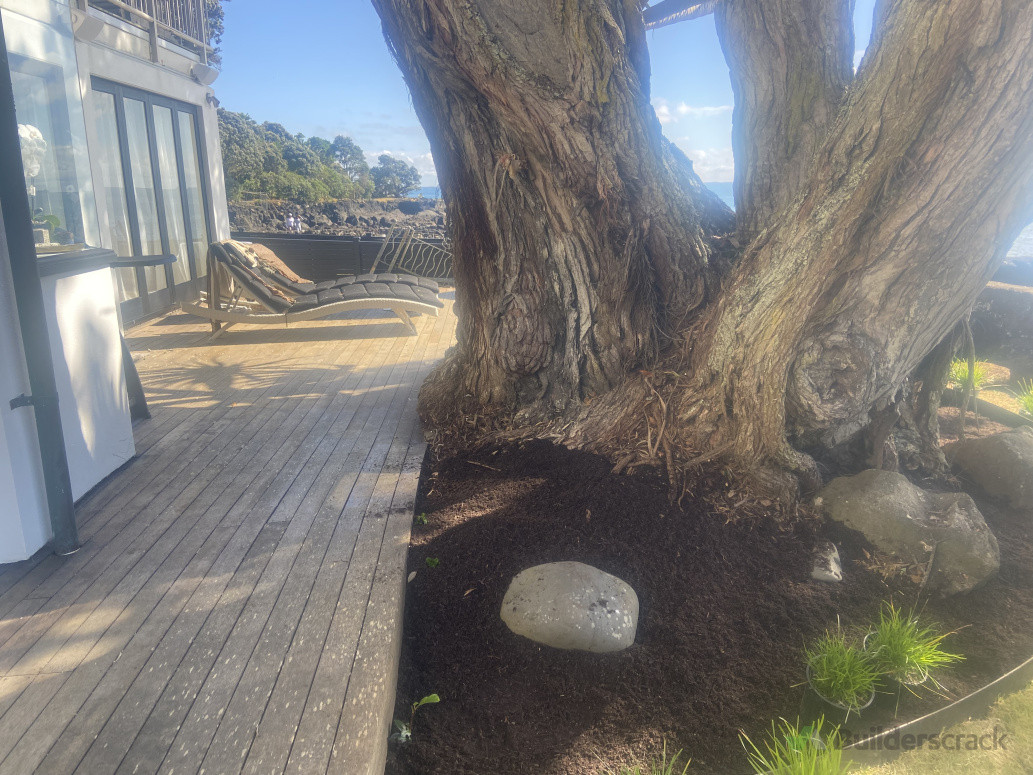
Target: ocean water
1022, 248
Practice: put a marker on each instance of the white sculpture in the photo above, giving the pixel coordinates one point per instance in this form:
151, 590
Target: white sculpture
33, 148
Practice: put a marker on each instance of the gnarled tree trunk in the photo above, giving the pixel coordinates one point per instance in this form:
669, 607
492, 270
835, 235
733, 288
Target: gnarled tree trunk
578, 253
594, 305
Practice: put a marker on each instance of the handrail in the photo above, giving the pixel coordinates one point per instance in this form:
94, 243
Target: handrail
183, 21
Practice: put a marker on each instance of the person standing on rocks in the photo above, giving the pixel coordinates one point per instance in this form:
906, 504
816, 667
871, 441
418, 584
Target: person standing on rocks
289, 223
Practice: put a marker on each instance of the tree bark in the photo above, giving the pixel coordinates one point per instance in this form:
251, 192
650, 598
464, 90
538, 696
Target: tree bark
790, 64
923, 181
577, 251
593, 305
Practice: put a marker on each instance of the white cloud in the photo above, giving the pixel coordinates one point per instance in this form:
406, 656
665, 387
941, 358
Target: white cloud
713, 165
663, 111
666, 114
700, 111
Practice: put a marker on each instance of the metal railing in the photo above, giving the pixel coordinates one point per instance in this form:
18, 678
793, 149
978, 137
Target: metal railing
182, 22
406, 253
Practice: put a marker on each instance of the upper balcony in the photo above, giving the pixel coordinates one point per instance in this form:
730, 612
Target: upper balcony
181, 22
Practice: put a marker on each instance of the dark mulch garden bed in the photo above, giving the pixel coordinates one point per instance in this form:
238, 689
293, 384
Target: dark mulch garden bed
726, 608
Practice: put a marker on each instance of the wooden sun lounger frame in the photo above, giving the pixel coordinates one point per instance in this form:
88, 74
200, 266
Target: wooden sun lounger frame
238, 310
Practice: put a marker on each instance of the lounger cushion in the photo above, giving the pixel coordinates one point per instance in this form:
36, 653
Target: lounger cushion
415, 293
329, 296
354, 291
303, 303
427, 296
378, 290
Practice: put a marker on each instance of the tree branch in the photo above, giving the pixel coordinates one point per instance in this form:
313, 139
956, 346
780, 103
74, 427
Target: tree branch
790, 63
925, 179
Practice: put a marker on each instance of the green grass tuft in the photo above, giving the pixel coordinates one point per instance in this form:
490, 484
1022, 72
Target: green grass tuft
841, 672
959, 373
1025, 396
906, 649
790, 750
655, 767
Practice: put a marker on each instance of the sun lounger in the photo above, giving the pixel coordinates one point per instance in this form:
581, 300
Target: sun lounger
239, 292
279, 274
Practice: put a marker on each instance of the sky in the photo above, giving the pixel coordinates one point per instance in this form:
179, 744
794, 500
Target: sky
325, 70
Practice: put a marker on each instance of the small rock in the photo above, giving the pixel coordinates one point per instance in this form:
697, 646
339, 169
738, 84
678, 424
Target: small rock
570, 605
903, 520
1001, 464
827, 566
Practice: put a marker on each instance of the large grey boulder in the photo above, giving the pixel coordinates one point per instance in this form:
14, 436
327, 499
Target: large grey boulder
570, 605
1001, 464
908, 522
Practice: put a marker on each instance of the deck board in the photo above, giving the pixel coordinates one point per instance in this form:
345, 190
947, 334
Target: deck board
240, 577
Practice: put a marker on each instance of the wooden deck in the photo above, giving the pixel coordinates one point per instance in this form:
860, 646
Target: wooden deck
236, 603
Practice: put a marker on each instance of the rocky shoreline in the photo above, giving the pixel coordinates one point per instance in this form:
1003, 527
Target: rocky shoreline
344, 217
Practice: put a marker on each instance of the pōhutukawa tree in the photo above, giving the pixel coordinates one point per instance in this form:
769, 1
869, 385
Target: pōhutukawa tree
607, 300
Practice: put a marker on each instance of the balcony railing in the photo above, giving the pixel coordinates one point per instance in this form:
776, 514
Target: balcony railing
182, 22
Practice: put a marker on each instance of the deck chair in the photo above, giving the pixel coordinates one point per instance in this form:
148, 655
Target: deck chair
238, 292
279, 274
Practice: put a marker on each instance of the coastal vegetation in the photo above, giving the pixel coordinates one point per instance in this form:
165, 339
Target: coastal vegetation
267, 161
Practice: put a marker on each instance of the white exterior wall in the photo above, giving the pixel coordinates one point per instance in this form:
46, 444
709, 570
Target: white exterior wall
24, 519
82, 320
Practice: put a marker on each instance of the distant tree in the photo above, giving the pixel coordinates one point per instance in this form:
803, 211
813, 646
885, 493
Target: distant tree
243, 150
351, 158
278, 133
302, 160
214, 17
393, 177
322, 148
269, 160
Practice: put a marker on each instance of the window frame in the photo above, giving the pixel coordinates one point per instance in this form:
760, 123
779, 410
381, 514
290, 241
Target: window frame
155, 301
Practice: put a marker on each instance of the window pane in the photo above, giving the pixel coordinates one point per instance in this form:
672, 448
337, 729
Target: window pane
173, 201
195, 200
51, 127
143, 188
113, 190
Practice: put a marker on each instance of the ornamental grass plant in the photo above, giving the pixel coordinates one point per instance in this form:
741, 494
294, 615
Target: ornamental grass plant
841, 672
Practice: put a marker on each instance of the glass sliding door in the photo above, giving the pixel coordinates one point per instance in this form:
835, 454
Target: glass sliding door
152, 143
172, 198
145, 195
113, 194
193, 191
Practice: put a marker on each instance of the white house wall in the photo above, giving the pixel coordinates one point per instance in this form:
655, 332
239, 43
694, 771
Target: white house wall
87, 353
24, 519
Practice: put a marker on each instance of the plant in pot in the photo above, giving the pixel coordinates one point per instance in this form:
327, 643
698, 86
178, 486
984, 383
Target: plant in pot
905, 650
841, 680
